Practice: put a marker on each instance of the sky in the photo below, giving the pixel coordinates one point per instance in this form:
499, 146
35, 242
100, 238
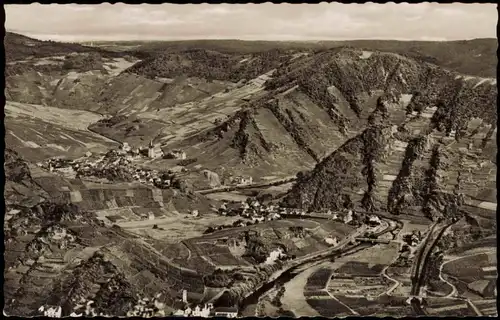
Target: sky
268, 21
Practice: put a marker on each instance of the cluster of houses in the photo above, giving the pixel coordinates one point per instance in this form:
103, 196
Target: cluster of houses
238, 181
206, 311
114, 161
253, 210
258, 212
155, 152
147, 308
51, 311
413, 238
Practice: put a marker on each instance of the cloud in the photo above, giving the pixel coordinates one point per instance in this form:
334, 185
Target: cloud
81, 8
449, 11
217, 11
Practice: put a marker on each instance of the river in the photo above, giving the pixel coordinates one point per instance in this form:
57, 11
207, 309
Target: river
287, 275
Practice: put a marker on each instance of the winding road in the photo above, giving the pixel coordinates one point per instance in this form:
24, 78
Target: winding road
394, 286
454, 289
300, 271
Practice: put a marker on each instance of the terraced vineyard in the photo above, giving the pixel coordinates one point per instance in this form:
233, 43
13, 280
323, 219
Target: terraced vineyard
319, 279
329, 307
385, 139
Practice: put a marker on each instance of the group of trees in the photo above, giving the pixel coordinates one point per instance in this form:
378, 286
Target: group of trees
327, 185
208, 64
15, 168
402, 190
222, 278
255, 248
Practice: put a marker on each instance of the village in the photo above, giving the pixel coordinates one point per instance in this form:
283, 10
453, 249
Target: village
124, 164
253, 212
117, 164
204, 311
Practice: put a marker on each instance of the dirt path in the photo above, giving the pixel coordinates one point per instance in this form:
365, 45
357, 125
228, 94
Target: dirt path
352, 311
396, 282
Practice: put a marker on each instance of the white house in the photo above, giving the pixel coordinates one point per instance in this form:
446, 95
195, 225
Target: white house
258, 219
246, 180
255, 204
201, 312
226, 312
374, 219
188, 312
179, 312
51, 312
125, 147
177, 154
275, 216
348, 217
332, 241
180, 154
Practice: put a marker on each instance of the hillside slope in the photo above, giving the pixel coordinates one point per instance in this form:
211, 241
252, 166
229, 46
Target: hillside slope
305, 115
60, 251
445, 129
475, 57
210, 64
20, 47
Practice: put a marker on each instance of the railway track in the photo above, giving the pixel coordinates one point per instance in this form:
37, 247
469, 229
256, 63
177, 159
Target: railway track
416, 267
422, 265
425, 262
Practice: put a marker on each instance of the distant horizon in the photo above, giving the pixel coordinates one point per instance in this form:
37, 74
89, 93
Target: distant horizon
29, 35
254, 22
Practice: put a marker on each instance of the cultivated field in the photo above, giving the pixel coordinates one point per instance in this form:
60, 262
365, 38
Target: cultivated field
226, 247
38, 134
474, 274
382, 306
329, 307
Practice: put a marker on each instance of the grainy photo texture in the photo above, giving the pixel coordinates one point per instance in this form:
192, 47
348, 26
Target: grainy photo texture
237, 160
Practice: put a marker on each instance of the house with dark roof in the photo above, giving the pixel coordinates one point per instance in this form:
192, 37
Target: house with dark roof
228, 312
